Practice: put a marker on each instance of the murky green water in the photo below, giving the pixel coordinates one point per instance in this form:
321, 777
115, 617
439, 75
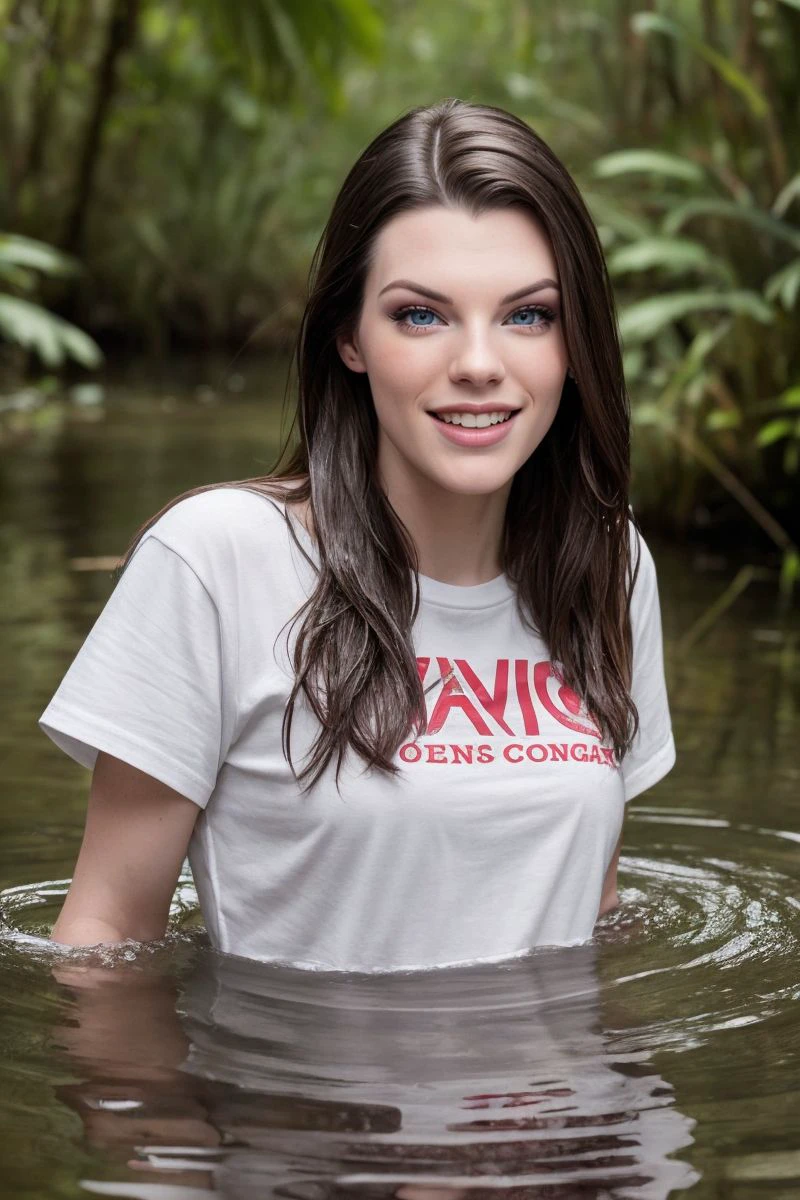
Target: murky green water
660, 1058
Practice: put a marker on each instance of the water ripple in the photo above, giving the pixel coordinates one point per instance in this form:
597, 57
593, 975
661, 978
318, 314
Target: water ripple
531, 1077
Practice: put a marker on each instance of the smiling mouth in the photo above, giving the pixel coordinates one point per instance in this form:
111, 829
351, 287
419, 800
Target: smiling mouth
467, 420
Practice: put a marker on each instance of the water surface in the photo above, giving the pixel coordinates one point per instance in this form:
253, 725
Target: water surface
660, 1058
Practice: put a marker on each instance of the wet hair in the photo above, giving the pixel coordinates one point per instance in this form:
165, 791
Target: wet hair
567, 534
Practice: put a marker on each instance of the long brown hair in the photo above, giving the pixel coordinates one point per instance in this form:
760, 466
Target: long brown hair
566, 547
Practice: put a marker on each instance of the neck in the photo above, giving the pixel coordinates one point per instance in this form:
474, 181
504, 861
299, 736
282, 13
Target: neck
458, 537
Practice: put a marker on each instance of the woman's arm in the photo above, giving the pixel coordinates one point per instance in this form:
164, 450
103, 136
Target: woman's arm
134, 844
610, 898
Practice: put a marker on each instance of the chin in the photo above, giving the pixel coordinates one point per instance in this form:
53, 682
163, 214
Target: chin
473, 482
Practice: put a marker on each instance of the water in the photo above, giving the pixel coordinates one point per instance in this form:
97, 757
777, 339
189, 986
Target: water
660, 1058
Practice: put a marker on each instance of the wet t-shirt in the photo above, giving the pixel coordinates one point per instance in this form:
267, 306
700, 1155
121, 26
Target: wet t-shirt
493, 838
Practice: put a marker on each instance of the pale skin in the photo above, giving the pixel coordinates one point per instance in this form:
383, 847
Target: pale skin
476, 348
473, 345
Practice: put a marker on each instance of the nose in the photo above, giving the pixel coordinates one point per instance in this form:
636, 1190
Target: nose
476, 361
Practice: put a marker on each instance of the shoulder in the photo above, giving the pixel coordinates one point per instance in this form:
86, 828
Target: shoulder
216, 510
212, 529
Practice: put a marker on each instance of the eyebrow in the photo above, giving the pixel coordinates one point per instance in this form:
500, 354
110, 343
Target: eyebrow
442, 299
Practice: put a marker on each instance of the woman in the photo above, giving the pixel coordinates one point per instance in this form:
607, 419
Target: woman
442, 610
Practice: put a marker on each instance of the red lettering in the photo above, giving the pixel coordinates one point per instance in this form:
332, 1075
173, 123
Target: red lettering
542, 673
578, 752
512, 747
560, 701
485, 753
462, 753
524, 697
452, 696
436, 752
410, 752
495, 704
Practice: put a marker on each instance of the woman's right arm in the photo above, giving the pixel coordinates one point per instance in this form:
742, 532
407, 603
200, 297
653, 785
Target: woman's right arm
134, 843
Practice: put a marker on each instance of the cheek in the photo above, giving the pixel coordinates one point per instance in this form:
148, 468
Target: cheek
398, 373
541, 368
396, 365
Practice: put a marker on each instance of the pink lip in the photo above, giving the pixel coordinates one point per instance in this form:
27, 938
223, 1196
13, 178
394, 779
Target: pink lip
474, 437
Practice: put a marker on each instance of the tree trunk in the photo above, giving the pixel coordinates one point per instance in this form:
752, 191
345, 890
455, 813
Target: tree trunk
122, 27
45, 106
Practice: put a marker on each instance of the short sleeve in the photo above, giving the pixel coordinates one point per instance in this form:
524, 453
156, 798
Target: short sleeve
652, 753
147, 684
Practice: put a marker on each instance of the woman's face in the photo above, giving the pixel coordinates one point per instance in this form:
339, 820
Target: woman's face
489, 339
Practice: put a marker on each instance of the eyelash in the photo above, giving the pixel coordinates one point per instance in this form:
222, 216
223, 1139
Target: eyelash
542, 309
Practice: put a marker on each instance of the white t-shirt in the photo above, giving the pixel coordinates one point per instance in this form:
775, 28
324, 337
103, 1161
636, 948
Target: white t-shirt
495, 837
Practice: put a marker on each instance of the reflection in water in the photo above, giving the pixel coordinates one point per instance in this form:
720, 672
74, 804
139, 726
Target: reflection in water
279, 1082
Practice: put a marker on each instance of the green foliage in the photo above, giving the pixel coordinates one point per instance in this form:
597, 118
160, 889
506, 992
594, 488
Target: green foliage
53, 339
273, 44
649, 162
18, 255
760, 221
26, 324
233, 124
702, 240
649, 22
674, 255
643, 321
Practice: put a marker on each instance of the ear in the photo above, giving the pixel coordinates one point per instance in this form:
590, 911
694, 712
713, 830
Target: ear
349, 352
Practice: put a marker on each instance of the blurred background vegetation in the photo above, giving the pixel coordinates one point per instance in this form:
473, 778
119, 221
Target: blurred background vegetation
167, 169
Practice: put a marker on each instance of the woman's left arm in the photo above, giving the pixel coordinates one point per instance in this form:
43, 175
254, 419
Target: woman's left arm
610, 898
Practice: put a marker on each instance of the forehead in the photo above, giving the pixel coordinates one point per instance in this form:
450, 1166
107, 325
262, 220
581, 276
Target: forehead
452, 245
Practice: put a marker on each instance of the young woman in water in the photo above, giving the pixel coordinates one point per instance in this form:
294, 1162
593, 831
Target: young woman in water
392, 699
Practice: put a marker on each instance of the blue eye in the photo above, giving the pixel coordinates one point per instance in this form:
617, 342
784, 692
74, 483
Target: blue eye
526, 312
414, 311
428, 316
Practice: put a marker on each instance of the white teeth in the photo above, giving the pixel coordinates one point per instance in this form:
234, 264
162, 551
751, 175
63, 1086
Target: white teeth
475, 420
